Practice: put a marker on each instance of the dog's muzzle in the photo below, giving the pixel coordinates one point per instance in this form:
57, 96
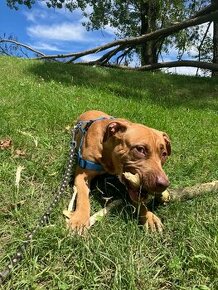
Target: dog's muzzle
137, 189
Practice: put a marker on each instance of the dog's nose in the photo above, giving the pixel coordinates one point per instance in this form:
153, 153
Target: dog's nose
162, 183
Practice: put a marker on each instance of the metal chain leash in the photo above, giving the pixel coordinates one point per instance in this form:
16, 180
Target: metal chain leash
16, 258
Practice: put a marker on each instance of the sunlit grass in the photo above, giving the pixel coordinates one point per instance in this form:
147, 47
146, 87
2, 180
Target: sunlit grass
41, 99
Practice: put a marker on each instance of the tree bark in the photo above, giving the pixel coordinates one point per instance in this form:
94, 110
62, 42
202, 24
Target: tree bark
189, 63
148, 49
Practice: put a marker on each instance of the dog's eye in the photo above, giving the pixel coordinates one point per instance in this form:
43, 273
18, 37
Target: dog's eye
141, 150
164, 154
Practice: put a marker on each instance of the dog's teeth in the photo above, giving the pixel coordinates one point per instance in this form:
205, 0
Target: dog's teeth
134, 179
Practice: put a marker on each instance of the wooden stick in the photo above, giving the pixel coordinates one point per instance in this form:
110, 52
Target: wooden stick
96, 216
104, 211
167, 195
193, 191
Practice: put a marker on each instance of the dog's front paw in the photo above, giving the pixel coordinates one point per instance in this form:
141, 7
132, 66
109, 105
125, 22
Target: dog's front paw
78, 222
153, 222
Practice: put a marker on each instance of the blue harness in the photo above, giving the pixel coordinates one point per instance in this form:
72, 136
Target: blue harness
86, 164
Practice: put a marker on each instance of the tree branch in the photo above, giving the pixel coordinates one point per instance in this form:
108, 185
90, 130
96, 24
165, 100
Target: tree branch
208, 9
189, 63
22, 45
141, 39
105, 58
121, 44
201, 44
4, 51
120, 57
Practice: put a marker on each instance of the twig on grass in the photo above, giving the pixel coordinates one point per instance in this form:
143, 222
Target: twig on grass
18, 175
167, 196
193, 191
96, 216
35, 139
104, 211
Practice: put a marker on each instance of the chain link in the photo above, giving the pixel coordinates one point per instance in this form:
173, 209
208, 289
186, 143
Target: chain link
16, 258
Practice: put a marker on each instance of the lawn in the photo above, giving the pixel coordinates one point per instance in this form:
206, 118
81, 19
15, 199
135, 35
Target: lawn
37, 101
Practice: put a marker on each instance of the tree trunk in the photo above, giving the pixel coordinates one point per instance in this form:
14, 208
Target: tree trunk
215, 42
148, 11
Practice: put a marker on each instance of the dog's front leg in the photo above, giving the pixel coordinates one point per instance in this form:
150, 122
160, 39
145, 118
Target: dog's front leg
149, 219
79, 219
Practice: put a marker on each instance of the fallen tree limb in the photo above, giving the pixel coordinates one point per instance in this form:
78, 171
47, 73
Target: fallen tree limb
195, 20
141, 39
190, 63
209, 13
22, 45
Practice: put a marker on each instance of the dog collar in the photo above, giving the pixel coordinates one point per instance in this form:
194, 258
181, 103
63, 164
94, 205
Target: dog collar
87, 164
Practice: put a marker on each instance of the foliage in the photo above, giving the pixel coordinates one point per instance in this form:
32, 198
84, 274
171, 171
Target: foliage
41, 99
126, 18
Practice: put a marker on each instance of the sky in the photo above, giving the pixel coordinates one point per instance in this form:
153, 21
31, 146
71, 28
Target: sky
51, 31
54, 31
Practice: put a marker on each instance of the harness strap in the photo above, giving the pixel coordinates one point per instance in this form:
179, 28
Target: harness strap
90, 165
87, 164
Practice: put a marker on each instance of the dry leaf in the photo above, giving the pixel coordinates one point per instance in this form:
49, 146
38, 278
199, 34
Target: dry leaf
5, 143
12, 206
68, 128
18, 175
19, 153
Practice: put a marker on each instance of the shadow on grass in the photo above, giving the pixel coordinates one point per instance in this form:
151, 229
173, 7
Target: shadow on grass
107, 188
156, 88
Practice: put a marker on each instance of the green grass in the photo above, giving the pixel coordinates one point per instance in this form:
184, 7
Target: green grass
41, 99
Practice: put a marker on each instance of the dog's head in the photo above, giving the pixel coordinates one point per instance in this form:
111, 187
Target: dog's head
137, 154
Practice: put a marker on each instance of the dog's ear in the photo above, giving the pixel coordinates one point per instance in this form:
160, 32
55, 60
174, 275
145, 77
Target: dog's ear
168, 142
113, 128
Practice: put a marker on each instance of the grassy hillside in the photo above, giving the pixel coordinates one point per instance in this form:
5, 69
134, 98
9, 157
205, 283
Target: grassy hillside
37, 101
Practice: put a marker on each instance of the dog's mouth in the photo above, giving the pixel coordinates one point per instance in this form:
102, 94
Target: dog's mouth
134, 186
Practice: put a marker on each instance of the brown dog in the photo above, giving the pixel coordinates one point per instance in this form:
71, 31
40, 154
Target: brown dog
133, 152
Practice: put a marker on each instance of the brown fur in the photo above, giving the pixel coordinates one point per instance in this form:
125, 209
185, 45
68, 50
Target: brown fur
119, 146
